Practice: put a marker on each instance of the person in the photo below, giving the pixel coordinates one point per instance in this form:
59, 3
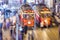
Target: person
6, 32
57, 17
8, 23
0, 32
1, 24
11, 30
25, 26
20, 33
25, 29
14, 34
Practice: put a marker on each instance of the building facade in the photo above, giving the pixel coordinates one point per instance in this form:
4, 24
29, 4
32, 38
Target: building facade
14, 2
49, 3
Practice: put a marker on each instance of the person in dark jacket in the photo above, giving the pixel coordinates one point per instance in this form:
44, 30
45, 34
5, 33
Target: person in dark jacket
25, 29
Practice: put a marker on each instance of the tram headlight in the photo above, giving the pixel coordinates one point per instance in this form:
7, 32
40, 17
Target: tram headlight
29, 22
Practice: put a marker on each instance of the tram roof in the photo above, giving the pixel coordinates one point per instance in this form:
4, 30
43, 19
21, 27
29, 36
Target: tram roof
26, 7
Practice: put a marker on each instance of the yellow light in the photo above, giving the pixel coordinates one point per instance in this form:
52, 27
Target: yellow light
41, 12
47, 12
29, 22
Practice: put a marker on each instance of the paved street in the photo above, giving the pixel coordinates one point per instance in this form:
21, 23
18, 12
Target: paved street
6, 34
45, 34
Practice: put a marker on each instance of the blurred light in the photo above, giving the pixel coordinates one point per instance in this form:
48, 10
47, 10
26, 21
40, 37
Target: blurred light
1, 1
13, 8
1, 7
13, 26
13, 18
29, 22
46, 12
7, 20
5, 6
0, 12
42, 12
20, 28
29, 1
1, 18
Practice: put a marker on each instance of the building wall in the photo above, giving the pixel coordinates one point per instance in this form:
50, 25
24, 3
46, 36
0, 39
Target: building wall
14, 2
49, 3
5, 1
41, 1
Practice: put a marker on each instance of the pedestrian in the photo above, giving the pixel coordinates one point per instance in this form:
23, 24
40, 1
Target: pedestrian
8, 23
21, 33
6, 32
25, 29
14, 34
0, 32
57, 17
1, 24
11, 30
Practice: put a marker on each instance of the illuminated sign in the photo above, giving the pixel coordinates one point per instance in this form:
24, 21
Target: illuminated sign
29, 1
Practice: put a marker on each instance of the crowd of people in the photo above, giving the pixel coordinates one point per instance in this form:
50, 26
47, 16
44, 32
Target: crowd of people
7, 28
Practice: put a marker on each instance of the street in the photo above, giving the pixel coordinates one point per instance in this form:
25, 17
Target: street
45, 34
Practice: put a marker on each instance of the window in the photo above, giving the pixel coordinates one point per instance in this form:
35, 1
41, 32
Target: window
28, 16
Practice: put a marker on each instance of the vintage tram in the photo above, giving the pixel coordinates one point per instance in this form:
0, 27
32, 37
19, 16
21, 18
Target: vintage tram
27, 16
43, 15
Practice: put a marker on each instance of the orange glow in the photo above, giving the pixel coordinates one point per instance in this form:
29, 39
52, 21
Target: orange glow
48, 21
25, 22
28, 11
42, 21
45, 9
31, 24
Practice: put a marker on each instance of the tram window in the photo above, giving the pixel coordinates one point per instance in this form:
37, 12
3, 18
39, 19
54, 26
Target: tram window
28, 16
31, 16
24, 16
